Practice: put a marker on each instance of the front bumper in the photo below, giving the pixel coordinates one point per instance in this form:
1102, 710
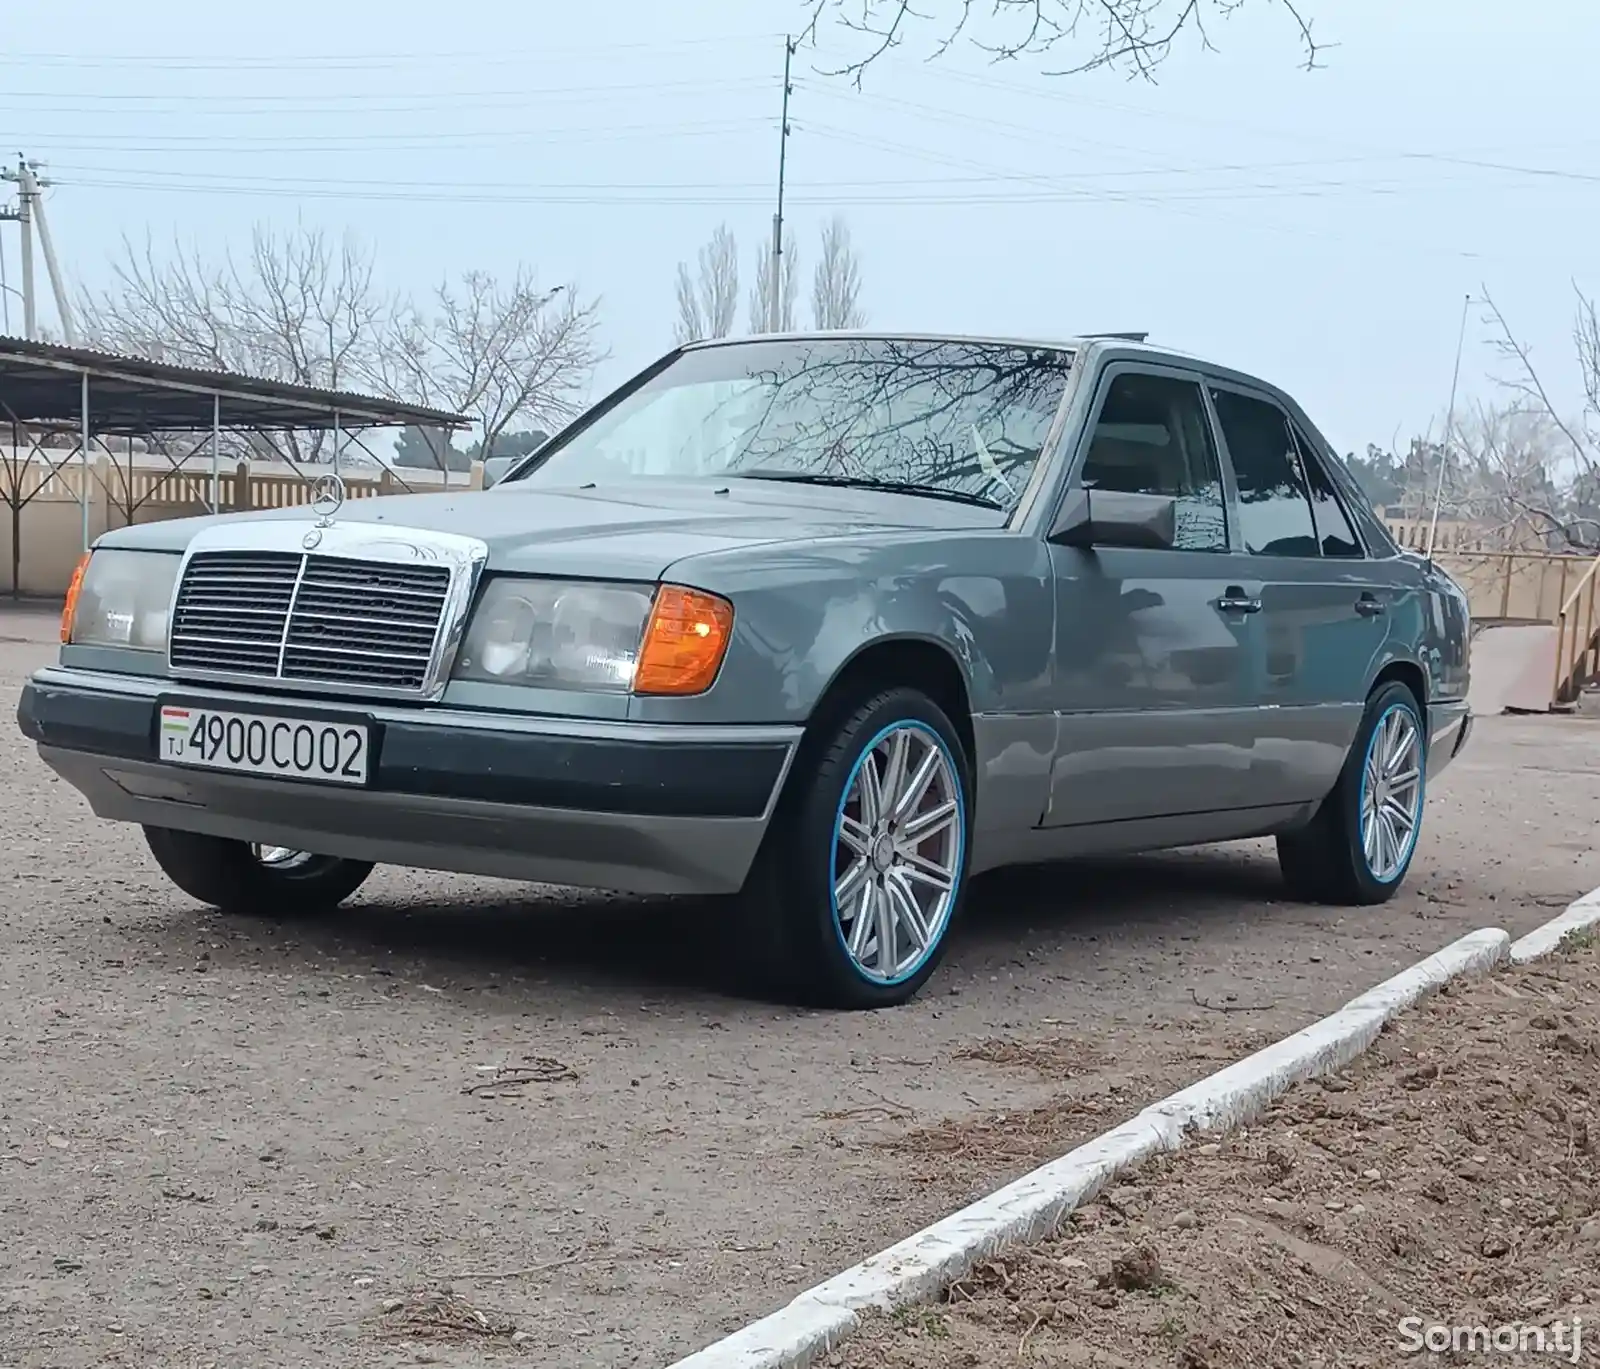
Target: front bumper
646, 808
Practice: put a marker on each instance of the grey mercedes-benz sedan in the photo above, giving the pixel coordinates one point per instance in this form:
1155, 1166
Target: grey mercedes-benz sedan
831, 623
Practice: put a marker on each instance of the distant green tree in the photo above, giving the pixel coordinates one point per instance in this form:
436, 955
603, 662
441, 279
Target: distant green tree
1381, 475
508, 444
429, 449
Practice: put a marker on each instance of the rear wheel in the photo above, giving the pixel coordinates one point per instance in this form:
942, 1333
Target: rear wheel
261, 881
1359, 846
864, 869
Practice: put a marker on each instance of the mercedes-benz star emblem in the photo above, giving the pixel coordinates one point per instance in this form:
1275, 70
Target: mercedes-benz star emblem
327, 498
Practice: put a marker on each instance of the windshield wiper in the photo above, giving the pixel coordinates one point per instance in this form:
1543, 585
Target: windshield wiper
862, 482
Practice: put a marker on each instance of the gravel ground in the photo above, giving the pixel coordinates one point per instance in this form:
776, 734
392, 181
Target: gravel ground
236, 1142
1446, 1186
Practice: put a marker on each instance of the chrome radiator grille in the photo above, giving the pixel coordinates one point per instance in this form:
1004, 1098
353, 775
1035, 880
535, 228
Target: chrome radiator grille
309, 619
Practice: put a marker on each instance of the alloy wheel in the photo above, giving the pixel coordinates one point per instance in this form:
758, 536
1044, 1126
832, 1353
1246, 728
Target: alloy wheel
1391, 793
897, 852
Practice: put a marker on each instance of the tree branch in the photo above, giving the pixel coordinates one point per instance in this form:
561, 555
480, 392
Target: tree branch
1135, 36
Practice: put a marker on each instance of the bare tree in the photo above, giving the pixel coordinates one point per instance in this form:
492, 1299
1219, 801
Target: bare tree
1505, 474
761, 295
297, 307
708, 298
836, 283
1562, 502
512, 355
1133, 36
302, 308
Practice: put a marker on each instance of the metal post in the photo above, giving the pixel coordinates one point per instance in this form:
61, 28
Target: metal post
1585, 635
775, 270
338, 438
216, 451
83, 493
30, 314
1449, 427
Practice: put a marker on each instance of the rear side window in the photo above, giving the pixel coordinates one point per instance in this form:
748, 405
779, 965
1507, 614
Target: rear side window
1334, 533
1152, 437
1274, 509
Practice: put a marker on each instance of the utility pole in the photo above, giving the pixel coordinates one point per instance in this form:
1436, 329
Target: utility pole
775, 279
29, 211
23, 214
6, 216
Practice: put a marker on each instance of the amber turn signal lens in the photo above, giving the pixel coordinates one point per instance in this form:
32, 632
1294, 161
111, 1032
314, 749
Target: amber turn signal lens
70, 608
684, 643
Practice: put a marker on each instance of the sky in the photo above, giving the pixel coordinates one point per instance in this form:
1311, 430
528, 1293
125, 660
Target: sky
1320, 229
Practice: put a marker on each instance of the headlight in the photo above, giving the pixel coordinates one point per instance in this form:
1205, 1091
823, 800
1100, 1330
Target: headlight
122, 599
556, 635
616, 638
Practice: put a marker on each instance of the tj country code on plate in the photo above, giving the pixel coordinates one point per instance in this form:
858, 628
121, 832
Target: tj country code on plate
259, 744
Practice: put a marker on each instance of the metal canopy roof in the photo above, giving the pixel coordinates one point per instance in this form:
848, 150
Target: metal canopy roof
42, 383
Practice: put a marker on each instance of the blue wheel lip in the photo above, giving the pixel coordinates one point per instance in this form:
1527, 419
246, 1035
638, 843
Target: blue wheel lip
917, 725
1422, 790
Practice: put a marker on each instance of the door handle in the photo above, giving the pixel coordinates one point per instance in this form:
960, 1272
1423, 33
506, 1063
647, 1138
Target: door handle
1235, 600
1368, 606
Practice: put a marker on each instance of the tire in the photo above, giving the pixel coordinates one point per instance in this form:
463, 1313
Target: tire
233, 877
1328, 861
802, 934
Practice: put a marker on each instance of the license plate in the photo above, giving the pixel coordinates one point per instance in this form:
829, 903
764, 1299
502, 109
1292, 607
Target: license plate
261, 744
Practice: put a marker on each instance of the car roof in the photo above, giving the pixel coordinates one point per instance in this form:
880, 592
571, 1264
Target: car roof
891, 335
1132, 344
1105, 346
1129, 346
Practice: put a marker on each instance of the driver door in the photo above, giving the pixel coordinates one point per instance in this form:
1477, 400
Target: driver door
1155, 647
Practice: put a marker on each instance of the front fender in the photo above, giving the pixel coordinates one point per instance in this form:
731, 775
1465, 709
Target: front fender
803, 612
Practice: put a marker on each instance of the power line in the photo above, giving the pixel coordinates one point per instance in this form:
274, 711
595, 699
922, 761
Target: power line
1116, 196
971, 78
277, 104
450, 187
1056, 140
740, 193
377, 61
210, 144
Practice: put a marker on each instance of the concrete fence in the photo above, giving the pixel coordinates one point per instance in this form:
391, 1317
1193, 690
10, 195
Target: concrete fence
47, 511
42, 516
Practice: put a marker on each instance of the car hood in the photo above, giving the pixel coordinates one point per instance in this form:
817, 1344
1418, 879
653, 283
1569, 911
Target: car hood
619, 532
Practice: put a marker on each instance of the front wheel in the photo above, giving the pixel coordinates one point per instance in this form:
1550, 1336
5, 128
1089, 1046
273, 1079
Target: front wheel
862, 875
1359, 846
261, 881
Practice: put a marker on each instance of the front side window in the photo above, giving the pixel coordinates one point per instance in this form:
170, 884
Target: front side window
1334, 533
1152, 437
1274, 510
967, 421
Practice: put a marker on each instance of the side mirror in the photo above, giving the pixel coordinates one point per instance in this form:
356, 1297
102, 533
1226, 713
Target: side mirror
495, 468
1110, 518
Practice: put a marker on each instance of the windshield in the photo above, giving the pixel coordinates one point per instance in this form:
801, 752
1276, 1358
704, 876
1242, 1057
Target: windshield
962, 419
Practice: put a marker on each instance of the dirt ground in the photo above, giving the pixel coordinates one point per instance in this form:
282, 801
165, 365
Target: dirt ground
1451, 1175
231, 1142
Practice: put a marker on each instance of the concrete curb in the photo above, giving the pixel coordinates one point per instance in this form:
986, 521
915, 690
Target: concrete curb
917, 1268
1580, 916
